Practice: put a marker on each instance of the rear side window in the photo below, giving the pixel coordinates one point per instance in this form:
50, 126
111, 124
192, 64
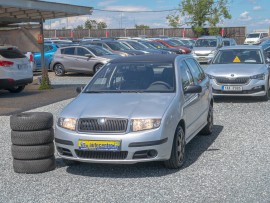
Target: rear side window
187, 78
11, 54
226, 43
196, 71
68, 51
48, 48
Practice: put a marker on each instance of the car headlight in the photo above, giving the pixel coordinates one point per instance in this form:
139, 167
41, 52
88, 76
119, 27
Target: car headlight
124, 54
67, 123
144, 124
211, 76
183, 51
258, 77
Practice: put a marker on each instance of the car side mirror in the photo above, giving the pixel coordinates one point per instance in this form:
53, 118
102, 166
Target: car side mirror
193, 89
79, 89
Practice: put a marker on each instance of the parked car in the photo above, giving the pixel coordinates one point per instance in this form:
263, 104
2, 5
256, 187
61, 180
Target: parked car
80, 59
181, 42
256, 38
15, 69
49, 50
206, 47
240, 71
267, 52
137, 109
170, 44
114, 47
228, 42
157, 45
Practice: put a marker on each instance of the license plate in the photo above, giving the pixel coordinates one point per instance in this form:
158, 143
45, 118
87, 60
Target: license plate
99, 145
202, 58
22, 66
232, 88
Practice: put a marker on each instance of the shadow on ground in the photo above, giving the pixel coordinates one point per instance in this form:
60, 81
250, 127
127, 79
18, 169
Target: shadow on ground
194, 150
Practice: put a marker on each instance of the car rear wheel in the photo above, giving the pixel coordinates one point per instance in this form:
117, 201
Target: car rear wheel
16, 89
59, 69
97, 67
177, 158
208, 129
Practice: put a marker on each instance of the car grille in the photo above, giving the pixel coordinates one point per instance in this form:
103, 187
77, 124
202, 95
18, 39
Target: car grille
202, 54
101, 154
223, 80
102, 125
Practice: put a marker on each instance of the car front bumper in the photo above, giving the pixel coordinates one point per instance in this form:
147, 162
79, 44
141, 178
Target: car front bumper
252, 88
203, 59
135, 147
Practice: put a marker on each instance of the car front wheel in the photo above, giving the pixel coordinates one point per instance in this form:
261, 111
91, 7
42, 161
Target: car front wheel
16, 89
177, 158
59, 69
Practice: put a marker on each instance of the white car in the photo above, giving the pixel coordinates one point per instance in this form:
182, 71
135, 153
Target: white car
15, 69
255, 38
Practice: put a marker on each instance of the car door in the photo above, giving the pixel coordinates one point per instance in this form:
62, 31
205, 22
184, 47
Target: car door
200, 79
84, 63
68, 58
191, 103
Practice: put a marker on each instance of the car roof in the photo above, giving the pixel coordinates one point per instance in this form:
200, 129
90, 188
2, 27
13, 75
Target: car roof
241, 47
158, 58
209, 37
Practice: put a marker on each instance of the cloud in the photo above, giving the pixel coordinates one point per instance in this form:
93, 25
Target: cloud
257, 8
245, 16
127, 8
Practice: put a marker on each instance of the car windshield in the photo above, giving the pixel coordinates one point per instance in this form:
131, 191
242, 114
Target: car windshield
136, 77
177, 42
137, 45
254, 35
247, 56
171, 43
149, 45
206, 43
116, 46
99, 51
158, 45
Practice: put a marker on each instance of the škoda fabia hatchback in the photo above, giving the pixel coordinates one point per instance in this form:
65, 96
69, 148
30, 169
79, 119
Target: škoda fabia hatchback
137, 109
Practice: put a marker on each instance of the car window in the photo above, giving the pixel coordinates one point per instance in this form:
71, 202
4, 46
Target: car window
206, 43
11, 53
68, 51
82, 51
186, 76
196, 71
226, 43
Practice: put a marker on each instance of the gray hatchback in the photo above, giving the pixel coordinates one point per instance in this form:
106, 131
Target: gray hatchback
137, 109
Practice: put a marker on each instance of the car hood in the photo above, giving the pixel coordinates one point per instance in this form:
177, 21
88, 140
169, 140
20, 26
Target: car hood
133, 52
239, 70
203, 50
119, 105
113, 56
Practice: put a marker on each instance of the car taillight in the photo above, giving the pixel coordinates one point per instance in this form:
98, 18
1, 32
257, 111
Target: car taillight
6, 63
31, 58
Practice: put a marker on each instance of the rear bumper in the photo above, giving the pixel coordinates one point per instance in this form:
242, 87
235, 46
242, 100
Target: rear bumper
9, 82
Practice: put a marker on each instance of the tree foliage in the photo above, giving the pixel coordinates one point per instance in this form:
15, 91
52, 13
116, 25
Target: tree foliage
79, 27
142, 26
173, 20
93, 24
201, 13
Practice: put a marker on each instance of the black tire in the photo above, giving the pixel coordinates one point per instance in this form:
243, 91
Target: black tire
32, 152
31, 138
177, 158
208, 129
34, 166
97, 67
68, 162
59, 69
31, 121
16, 89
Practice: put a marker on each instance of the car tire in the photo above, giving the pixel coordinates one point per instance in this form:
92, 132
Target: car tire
177, 158
59, 69
34, 166
16, 89
31, 121
68, 162
32, 152
208, 129
31, 138
97, 67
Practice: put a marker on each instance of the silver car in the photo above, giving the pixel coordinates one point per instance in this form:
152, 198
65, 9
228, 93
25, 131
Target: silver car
137, 109
80, 59
206, 47
240, 71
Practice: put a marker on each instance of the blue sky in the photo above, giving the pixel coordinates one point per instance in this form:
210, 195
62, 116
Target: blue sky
254, 14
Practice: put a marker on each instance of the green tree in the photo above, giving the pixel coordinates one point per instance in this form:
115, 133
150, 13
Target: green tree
201, 13
173, 20
79, 27
101, 25
90, 24
142, 26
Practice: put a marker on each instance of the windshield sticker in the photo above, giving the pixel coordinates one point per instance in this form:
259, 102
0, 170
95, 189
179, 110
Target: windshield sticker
236, 60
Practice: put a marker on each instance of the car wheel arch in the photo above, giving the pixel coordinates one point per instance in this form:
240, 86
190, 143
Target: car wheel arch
57, 64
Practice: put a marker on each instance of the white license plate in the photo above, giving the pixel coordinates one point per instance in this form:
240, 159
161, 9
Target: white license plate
232, 88
22, 66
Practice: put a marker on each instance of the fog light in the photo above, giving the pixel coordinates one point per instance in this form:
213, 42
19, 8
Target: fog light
257, 87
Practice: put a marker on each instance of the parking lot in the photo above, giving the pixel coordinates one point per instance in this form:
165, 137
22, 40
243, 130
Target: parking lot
231, 165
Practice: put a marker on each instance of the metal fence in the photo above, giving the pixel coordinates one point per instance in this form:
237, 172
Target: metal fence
238, 33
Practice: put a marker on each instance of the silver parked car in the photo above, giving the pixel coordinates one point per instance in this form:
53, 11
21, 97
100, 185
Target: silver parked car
206, 47
240, 71
137, 109
80, 59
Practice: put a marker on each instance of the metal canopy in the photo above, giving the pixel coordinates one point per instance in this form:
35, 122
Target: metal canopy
18, 11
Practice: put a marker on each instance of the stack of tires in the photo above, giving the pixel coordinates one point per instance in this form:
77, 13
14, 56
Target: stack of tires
32, 138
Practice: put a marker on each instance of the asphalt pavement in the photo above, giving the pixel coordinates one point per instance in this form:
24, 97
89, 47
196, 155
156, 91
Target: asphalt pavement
231, 165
